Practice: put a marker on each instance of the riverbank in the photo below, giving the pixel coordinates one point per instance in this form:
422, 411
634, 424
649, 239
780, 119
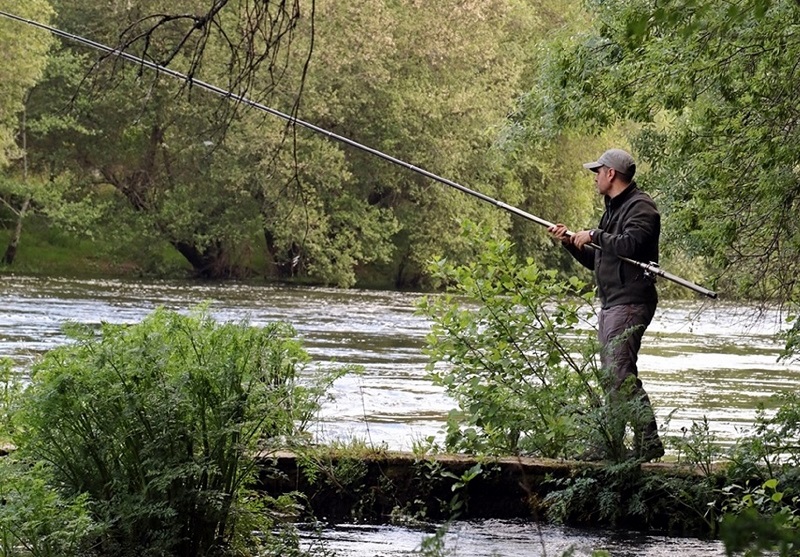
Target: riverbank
401, 487
381, 487
46, 251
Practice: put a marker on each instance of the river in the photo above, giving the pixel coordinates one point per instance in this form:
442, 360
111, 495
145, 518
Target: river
699, 358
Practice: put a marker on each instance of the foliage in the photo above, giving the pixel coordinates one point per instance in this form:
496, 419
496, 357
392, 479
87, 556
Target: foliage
429, 85
460, 501
23, 64
551, 181
431, 479
623, 494
709, 88
685, 502
753, 534
761, 501
752, 502
227, 188
759, 505
10, 387
510, 343
157, 425
35, 520
162, 166
238, 192
774, 441
697, 447
383, 73
55, 201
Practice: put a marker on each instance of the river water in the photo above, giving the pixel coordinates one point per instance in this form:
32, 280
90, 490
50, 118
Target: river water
700, 358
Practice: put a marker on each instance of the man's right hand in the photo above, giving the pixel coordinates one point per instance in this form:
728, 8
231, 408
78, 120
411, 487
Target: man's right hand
559, 232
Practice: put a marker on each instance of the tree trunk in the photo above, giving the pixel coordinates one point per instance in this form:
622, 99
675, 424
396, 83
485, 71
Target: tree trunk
211, 263
284, 267
11, 250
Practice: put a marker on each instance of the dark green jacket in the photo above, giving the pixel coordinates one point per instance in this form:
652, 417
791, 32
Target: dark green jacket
630, 227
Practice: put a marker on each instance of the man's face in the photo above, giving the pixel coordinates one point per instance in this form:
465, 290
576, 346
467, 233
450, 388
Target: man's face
602, 180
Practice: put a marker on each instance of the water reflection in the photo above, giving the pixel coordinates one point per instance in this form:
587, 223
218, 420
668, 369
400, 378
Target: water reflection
504, 538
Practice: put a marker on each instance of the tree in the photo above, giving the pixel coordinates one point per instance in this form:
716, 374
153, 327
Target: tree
24, 65
244, 37
195, 170
428, 83
149, 137
23, 62
229, 188
710, 88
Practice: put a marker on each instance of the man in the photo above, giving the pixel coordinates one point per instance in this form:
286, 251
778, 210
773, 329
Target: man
630, 227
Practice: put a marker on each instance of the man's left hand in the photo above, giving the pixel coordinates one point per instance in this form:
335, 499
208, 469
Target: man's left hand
580, 239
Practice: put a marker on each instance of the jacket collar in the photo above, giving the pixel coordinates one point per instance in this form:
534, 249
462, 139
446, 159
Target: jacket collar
613, 203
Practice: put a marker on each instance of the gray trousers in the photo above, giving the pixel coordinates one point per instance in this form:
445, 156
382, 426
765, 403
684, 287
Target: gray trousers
620, 332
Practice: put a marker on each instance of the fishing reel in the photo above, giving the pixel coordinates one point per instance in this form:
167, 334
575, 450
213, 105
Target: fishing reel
649, 274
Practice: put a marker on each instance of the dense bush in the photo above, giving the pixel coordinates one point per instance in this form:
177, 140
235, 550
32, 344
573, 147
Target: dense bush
154, 429
747, 495
761, 501
514, 345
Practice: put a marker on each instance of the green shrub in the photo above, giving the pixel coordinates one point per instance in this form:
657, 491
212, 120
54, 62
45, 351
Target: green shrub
10, 387
511, 344
35, 520
158, 425
760, 503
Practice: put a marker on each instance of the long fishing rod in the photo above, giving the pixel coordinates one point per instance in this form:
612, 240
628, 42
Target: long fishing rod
651, 268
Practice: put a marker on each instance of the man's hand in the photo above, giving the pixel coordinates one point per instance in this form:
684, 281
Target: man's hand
580, 239
559, 232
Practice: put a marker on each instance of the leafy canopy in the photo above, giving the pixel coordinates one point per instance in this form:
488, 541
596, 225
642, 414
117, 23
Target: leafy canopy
707, 89
23, 66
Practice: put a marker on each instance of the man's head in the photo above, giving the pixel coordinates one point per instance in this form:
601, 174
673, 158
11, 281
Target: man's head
619, 160
615, 170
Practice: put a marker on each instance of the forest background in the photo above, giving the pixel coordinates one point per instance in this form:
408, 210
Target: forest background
107, 168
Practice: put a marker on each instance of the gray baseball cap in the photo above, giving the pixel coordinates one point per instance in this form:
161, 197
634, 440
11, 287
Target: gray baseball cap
619, 160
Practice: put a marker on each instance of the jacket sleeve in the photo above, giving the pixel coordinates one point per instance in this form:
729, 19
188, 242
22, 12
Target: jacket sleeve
639, 233
584, 256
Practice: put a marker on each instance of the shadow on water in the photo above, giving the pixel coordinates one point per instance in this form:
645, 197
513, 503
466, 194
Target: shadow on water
698, 359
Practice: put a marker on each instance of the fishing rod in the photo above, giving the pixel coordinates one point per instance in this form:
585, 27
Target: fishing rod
651, 268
